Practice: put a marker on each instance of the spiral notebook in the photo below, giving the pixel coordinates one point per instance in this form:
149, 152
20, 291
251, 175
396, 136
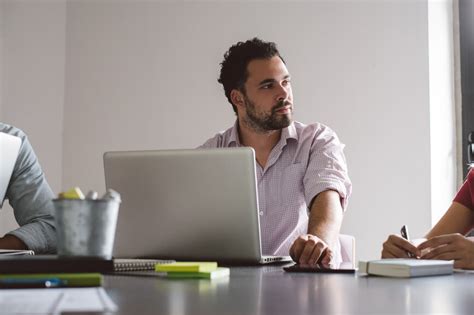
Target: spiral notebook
124, 264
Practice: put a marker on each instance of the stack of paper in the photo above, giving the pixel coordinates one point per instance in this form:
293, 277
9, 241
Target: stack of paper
200, 270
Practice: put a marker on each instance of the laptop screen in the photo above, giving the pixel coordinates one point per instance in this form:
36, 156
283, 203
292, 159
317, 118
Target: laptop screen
186, 204
9, 148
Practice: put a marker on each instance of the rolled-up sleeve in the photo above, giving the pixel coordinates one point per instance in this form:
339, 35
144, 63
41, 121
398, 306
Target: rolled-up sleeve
327, 168
465, 195
31, 198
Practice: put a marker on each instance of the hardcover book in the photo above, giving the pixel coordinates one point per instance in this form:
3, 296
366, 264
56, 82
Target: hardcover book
406, 268
53, 264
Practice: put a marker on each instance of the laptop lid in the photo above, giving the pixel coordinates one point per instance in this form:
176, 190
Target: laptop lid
199, 204
9, 148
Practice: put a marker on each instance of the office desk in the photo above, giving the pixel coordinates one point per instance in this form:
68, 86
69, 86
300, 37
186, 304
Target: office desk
270, 290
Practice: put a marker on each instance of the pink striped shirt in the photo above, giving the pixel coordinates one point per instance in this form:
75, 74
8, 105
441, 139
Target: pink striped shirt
307, 160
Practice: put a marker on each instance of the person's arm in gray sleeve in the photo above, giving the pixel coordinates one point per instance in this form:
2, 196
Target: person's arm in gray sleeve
31, 198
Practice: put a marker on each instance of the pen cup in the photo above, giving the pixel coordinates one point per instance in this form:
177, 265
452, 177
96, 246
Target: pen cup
86, 228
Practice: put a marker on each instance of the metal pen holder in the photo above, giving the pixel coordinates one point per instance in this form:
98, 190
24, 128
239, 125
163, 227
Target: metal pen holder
86, 228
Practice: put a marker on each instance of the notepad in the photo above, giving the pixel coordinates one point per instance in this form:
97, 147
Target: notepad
187, 267
406, 268
220, 272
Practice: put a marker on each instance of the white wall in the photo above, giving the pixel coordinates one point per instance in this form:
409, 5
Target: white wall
1, 58
33, 65
142, 75
442, 107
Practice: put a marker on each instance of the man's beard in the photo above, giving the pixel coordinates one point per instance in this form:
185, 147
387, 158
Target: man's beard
263, 122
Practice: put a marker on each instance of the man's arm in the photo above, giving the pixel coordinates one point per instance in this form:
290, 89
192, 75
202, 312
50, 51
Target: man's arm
326, 215
327, 188
31, 199
325, 219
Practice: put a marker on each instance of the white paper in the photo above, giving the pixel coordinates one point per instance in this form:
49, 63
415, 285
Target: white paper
28, 301
463, 270
55, 301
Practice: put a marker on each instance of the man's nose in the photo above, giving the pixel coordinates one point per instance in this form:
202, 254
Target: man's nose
282, 93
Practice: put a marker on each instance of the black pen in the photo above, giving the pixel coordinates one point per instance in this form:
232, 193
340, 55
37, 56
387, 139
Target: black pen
404, 233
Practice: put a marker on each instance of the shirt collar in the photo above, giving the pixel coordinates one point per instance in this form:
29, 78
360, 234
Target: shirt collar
234, 134
289, 132
286, 133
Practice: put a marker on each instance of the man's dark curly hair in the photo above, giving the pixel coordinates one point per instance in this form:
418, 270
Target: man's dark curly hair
234, 72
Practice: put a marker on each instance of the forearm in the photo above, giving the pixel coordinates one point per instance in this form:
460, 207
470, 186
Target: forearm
325, 217
458, 219
11, 242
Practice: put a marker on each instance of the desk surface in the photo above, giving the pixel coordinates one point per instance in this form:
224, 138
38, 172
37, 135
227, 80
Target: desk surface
270, 290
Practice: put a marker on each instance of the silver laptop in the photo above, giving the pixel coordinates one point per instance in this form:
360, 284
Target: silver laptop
9, 148
197, 204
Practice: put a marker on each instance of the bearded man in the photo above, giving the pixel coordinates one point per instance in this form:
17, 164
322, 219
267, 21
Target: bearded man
303, 185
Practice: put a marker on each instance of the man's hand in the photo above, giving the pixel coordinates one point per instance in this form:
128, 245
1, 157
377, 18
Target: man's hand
397, 247
451, 247
11, 242
309, 250
324, 222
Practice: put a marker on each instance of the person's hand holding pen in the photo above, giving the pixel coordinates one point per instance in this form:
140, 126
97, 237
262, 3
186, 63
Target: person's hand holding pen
397, 246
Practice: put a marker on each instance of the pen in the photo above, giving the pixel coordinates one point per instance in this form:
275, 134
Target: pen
16, 283
404, 233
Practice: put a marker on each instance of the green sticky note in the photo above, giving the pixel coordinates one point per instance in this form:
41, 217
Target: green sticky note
220, 272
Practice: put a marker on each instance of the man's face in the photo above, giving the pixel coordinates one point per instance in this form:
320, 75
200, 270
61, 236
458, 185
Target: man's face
268, 98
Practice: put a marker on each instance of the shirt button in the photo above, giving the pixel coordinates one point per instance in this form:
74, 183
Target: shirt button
261, 212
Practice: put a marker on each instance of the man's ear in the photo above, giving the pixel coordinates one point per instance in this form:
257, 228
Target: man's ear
237, 98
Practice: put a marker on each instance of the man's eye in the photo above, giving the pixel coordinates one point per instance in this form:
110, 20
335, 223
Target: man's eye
286, 82
267, 86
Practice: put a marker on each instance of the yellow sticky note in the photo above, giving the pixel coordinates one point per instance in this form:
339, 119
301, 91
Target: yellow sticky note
74, 193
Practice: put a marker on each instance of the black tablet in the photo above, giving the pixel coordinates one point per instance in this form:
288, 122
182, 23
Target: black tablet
319, 269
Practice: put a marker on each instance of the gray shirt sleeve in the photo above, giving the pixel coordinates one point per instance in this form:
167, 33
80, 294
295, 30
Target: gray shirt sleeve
31, 198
